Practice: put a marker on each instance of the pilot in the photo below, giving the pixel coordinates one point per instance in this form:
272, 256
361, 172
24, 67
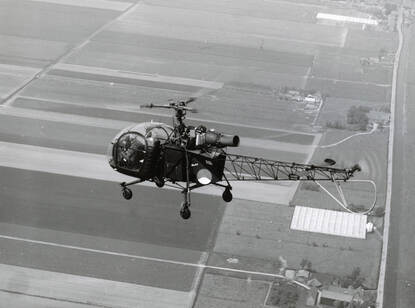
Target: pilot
123, 146
132, 152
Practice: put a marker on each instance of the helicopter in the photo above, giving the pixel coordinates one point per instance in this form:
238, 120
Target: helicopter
189, 157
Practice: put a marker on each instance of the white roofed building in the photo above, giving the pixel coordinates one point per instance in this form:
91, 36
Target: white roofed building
329, 222
349, 19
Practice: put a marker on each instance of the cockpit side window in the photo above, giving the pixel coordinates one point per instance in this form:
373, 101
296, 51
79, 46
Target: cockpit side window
159, 133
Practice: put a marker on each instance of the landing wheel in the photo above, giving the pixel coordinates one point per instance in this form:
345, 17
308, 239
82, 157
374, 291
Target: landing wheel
159, 182
185, 211
227, 195
127, 193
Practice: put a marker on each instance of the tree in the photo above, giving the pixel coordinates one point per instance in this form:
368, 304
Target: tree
389, 7
378, 211
357, 207
284, 89
305, 264
355, 273
358, 116
382, 53
385, 108
335, 124
338, 304
354, 279
284, 295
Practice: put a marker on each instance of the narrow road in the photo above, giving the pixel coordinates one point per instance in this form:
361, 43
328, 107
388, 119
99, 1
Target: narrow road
399, 288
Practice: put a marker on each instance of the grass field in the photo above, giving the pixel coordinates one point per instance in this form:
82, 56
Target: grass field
372, 41
206, 25
137, 58
224, 291
350, 90
340, 66
370, 152
338, 72
267, 9
371, 156
233, 105
253, 48
335, 109
258, 243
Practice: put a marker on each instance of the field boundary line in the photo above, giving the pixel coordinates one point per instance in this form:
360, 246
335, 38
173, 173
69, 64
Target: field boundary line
69, 301
201, 265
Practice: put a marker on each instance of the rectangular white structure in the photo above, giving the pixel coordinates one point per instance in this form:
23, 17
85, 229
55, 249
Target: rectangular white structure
344, 18
329, 222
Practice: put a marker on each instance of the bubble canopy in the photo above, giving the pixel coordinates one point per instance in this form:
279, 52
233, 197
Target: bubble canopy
133, 147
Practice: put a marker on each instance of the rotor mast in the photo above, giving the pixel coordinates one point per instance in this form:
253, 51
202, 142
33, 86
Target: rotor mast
180, 108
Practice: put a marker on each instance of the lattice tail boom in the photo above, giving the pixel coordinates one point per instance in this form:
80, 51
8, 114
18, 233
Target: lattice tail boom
246, 168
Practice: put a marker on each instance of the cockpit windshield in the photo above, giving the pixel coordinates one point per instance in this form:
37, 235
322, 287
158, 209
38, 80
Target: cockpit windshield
135, 144
130, 151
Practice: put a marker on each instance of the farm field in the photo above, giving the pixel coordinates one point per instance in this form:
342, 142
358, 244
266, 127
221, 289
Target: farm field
68, 87
259, 243
335, 109
371, 157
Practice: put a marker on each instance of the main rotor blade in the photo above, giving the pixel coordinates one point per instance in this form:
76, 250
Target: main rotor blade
156, 106
189, 100
203, 92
